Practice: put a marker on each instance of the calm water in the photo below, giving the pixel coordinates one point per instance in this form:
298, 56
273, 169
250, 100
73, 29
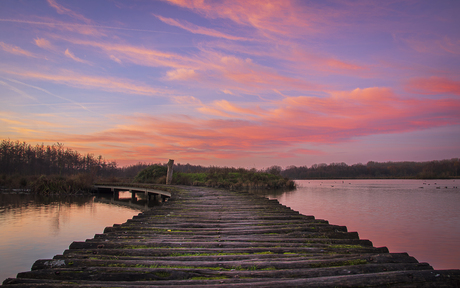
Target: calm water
33, 228
419, 217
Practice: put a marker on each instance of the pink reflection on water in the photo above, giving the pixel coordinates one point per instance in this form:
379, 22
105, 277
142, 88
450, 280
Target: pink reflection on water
32, 229
398, 214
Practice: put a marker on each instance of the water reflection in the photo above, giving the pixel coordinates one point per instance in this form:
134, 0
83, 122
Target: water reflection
38, 227
414, 216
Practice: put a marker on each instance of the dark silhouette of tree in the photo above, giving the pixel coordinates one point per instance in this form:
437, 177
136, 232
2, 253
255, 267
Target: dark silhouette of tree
432, 169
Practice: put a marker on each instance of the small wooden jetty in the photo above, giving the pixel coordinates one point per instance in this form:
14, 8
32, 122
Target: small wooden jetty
150, 193
219, 238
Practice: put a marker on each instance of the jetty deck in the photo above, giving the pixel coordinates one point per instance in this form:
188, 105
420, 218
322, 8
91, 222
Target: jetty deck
149, 192
219, 238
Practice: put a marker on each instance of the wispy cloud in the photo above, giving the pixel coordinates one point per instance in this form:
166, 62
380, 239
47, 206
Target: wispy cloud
85, 29
291, 57
226, 91
111, 84
217, 68
430, 43
274, 17
181, 74
18, 91
75, 58
63, 10
433, 85
230, 110
16, 50
140, 55
198, 29
44, 43
250, 74
189, 100
15, 124
115, 59
45, 91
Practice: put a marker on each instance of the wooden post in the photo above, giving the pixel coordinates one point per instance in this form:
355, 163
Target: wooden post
147, 196
169, 175
116, 194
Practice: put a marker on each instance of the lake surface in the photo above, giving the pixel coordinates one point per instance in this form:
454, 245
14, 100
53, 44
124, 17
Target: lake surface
398, 214
419, 217
34, 227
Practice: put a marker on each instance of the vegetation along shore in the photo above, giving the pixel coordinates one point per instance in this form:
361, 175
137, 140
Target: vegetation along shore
55, 169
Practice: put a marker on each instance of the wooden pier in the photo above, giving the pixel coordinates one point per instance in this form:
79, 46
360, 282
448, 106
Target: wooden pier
219, 238
150, 193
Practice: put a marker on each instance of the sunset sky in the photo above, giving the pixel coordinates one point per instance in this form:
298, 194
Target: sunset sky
233, 82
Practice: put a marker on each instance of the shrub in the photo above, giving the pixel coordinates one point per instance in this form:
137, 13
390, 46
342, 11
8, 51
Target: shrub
233, 178
55, 184
152, 174
23, 182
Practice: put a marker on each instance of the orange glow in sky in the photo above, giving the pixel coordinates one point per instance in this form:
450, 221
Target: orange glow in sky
233, 82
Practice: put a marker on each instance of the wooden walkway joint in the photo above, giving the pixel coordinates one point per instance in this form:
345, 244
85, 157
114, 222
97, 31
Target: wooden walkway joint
218, 238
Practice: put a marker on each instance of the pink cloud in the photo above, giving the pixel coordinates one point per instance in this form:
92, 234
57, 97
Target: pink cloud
16, 50
451, 45
197, 29
115, 59
188, 100
93, 82
141, 55
256, 76
45, 44
226, 91
433, 85
338, 64
272, 16
75, 58
294, 57
226, 109
306, 152
431, 43
181, 74
340, 117
281, 18
216, 69
63, 10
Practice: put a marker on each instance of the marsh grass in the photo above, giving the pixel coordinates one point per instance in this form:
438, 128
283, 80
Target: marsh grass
49, 184
217, 177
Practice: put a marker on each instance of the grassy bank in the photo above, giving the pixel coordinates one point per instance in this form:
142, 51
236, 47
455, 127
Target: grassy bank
228, 178
49, 184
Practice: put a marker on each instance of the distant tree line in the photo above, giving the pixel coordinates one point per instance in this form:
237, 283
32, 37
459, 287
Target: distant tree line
423, 170
21, 158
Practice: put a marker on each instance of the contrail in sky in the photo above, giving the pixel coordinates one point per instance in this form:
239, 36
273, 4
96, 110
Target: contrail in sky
17, 90
83, 25
40, 89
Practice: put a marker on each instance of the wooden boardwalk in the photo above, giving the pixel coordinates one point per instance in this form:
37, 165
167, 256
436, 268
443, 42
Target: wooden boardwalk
149, 192
218, 238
